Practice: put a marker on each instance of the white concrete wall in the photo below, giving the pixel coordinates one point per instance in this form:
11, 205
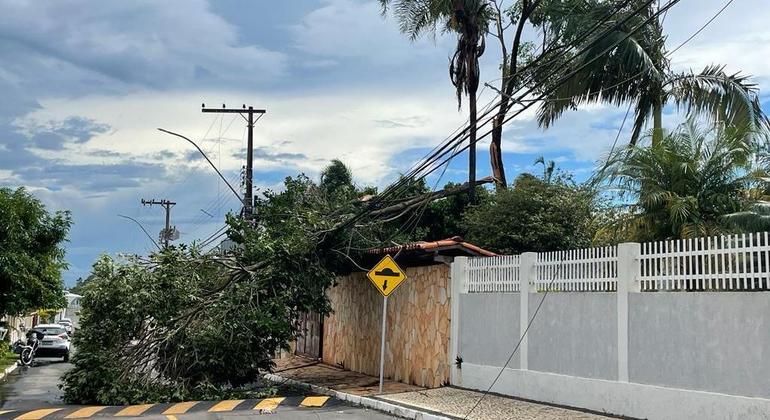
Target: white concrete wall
717, 342
657, 355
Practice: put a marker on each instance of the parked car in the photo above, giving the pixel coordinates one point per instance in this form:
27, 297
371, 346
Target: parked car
67, 324
55, 342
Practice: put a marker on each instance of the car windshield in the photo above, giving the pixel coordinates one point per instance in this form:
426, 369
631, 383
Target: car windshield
51, 330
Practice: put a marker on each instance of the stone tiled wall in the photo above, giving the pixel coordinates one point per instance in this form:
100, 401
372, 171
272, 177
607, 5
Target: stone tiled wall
417, 335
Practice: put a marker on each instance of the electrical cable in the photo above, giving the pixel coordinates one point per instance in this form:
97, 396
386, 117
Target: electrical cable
567, 77
703, 27
437, 156
521, 338
458, 139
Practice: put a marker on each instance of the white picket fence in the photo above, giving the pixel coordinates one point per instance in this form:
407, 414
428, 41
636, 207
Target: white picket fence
580, 270
493, 274
735, 262
724, 263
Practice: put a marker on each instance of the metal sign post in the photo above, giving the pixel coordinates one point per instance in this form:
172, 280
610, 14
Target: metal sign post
382, 342
386, 277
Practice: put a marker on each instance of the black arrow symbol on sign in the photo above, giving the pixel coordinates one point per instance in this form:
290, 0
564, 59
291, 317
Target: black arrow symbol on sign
384, 285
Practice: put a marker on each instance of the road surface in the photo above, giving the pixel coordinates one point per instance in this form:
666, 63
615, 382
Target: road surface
36, 388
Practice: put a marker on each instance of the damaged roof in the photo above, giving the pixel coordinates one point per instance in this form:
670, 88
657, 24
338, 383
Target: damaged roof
450, 247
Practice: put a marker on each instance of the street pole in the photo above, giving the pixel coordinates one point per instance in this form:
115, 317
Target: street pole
248, 200
166, 204
382, 341
249, 162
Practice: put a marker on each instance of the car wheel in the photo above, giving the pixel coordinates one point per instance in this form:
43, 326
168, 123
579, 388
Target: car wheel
66, 357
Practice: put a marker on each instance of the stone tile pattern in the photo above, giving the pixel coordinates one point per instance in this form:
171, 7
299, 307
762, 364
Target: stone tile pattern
417, 336
459, 402
312, 371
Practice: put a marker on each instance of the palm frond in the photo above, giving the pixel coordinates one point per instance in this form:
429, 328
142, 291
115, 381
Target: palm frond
726, 98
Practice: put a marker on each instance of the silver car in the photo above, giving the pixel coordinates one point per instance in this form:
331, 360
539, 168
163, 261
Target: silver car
55, 342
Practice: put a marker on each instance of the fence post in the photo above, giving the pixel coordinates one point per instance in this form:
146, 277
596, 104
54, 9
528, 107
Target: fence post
458, 284
628, 274
527, 276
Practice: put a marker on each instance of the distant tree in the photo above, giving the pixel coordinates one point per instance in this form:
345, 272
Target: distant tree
534, 216
80, 284
337, 178
31, 253
548, 168
688, 184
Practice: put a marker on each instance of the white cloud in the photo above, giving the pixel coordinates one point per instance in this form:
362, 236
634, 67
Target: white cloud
739, 38
298, 133
352, 28
143, 42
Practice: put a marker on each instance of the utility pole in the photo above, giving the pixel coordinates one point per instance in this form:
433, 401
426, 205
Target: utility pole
166, 235
248, 201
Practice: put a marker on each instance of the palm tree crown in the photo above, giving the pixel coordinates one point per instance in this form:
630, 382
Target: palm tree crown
687, 184
638, 71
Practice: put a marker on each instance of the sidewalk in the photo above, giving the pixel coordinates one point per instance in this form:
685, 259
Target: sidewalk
450, 402
456, 402
314, 372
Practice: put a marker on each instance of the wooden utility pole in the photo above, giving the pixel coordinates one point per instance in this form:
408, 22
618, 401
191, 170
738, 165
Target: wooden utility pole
166, 204
248, 201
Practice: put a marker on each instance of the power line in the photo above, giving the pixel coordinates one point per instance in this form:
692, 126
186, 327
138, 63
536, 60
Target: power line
458, 139
570, 75
143, 229
521, 338
553, 279
444, 148
708, 22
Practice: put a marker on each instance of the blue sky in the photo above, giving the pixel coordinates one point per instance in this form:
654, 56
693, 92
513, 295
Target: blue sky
86, 83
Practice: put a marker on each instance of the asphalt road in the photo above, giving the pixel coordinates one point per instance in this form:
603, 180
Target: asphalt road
37, 387
33, 387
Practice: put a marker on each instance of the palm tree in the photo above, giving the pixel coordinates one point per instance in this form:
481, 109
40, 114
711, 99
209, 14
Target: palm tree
469, 19
548, 168
687, 184
638, 71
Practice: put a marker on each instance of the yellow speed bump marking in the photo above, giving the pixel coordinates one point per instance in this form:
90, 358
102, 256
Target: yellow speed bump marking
180, 408
314, 401
269, 403
85, 413
227, 405
134, 410
37, 414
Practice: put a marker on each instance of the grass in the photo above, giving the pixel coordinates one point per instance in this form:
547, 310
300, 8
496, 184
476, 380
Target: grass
7, 357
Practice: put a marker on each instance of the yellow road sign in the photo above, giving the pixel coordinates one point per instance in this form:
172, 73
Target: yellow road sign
386, 275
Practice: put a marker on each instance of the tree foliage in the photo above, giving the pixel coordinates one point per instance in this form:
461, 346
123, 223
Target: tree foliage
181, 324
637, 71
533, 216
31, 253
687, 185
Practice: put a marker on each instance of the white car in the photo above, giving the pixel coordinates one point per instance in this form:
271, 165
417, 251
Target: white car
67, 324
55, 342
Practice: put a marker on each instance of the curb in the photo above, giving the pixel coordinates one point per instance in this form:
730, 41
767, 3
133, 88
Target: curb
8, 370
368, 402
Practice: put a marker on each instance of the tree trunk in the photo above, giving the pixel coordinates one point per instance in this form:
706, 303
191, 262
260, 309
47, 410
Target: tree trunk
657, 123
508, 85
472, 149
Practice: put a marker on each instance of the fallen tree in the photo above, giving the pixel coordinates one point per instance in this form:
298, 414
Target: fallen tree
182, 324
